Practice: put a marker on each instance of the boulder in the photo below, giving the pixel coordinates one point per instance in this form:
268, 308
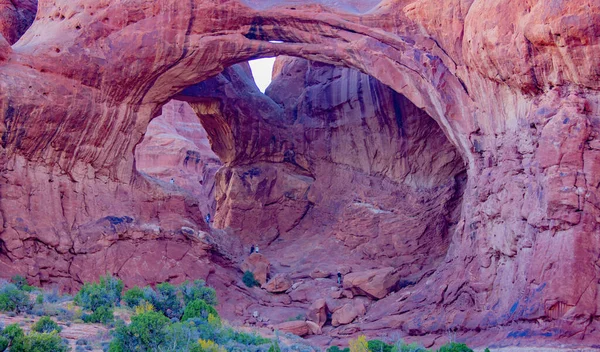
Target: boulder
259, 265
375, 283
317, 312
347, 313
279, 283
296, 327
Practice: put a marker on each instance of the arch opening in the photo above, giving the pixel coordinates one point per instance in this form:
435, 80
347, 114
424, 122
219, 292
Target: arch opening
329, 168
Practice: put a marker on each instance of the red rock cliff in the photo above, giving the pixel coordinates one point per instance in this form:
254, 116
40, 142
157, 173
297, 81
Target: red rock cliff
513, 86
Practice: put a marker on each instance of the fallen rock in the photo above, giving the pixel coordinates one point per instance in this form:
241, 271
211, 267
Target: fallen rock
319, 274
348, 313
296, 327
280, 283
259, 265
376, 283
317, 312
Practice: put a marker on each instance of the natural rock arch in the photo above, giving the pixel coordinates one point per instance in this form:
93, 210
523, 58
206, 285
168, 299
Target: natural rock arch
74, 105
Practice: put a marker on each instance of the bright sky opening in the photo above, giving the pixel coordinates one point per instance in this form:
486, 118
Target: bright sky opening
262, 69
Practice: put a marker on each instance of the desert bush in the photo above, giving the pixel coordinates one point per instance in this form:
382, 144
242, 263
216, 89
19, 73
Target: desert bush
21, 283
198, 290
379, 346
455, 347
39, 342
359, 345
337, 349
400, 346
249, 279
13, 300
165, 300
102, 314
3, 343
39, 299
47, 325
147, 332
199, 309
274, 347
12, 332
133, 297
144, 307
106, 293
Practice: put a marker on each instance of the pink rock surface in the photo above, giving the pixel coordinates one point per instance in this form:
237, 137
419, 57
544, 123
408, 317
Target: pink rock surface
489, 209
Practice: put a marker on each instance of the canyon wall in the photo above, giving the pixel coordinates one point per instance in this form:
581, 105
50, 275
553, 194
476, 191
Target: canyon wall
513, 86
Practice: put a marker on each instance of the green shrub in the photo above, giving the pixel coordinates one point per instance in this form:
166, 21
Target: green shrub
19, 281
455, 347
133, 297
337, 349
3, 343
274, 347
102, 314
39, 342
46, 324
147, 332
198, 290
107, 293
379, 346
413, 347
39, 299
13, 300
165, 300
199, 309
249, 279
13, 332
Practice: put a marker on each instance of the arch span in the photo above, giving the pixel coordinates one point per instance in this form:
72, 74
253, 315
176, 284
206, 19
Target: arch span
75, 105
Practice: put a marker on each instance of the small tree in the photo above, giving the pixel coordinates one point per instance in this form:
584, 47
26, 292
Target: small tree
47, 325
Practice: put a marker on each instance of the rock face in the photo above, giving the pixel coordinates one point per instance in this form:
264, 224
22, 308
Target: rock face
468, 161
347, 313
176, 147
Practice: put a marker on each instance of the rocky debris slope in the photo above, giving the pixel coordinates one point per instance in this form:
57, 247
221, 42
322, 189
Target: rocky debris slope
513, 85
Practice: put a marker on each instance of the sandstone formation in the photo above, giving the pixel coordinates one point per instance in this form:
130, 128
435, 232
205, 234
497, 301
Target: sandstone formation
258, 265
465, 153
279, 283
317, 312
376, 283
347, 313
176, 151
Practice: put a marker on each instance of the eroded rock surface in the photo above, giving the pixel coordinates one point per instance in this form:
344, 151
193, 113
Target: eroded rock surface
511, 85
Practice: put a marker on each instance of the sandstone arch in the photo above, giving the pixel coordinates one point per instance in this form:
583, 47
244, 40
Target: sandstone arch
74, 105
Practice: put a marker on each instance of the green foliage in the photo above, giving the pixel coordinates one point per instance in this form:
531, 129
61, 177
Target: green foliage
147, 332
106, 293
413, 347
337, 349
198, 309
102, 314
39, 299
455, 347
46, 324
133, 297
274, 347
19, 281
39, 342
249, 279
165, 300
3, 343
13, 300
198, 290
13, 332
487, 350
379, 346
